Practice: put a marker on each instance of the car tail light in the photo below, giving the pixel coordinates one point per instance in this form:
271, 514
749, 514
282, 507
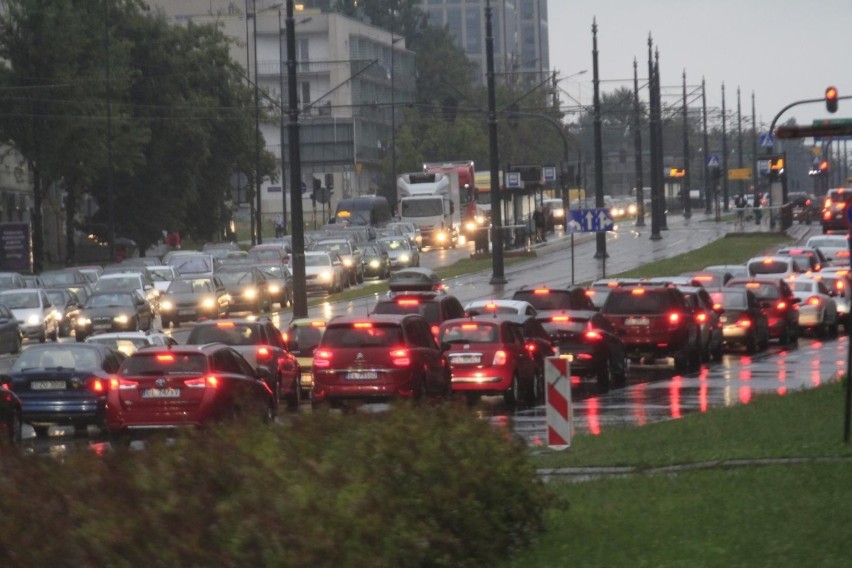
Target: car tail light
165, 358
408, 302
826, 215
585, 356
752, 285
842, 254
97, 385
674, 318
263, 352
469, 326
366, 324
839, 284
209, 381
744, 321
491, 307
435, 329
637, 291
322, 358
701, 317
225, 324
814, 301
530, 347
400, 357
500, 358
541, 291
560, 319
317, 324
781, 305
590, 293
122, 384
807, 202
593, 335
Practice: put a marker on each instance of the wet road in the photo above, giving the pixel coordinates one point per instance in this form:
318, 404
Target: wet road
651, 394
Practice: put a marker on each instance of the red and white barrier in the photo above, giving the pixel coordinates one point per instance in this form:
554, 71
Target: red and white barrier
560, 409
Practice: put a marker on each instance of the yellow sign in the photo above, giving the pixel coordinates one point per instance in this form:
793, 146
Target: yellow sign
739, 174
677, 172
816, 151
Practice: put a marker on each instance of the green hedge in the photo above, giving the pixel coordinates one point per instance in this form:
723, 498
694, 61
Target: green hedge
410, 487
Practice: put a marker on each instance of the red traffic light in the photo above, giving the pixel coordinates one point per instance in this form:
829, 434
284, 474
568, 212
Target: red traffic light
831, 99
823, 166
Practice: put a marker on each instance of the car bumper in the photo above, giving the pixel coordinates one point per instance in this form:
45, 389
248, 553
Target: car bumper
481, 380
33, 331
810, 318
60, 411
386, 387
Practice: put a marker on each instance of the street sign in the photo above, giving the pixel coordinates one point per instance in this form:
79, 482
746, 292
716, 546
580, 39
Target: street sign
767, 140
513, 180
735, 174
549, 173
713, 161
763, 167
590, 220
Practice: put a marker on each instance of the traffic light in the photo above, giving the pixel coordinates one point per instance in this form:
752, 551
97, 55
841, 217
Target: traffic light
329, 181
823, 166
776, 168
831, 99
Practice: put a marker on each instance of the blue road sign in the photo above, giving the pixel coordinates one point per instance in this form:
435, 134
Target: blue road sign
713, 161
767, 140
590, 220
549, 173
513, 180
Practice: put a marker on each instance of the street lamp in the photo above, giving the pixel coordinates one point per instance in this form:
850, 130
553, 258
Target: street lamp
300, 298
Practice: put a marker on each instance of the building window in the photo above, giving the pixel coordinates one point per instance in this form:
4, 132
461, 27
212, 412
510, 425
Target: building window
454, 23
473, 30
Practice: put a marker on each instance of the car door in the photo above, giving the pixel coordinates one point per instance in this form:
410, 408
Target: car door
420, 340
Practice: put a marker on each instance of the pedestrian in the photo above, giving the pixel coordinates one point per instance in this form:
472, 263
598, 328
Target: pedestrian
740, 203
279, 225
538, 222
758, 214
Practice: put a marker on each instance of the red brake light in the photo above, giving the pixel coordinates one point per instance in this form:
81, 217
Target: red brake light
744, 321
541, 291
435, 329
781, 305
408, 302
97, 385
767, 261
225, 324
202, 382
166, 358
814, 301
400, 357
612, 284
752, 285
122, 384
500, 358
490, 306
839, 284
364, 325
322, 358
469, 326
703, 278
560, 319
263, 352
317, 324
842, 254
807, 201
593, 335
637, 291
530, 347
701, 317
674, 318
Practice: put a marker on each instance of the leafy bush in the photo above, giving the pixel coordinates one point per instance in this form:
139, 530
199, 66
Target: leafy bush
410, 487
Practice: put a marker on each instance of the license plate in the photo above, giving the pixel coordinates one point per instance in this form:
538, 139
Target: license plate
160, 393
361, 376
637, 321
48, 385
465, 359
101, 326
186, 312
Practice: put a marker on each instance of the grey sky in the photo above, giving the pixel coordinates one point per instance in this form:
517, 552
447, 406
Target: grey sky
783, 50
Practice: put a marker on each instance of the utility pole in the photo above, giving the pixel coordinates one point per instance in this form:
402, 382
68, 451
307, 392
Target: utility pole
708, 195
754, 172
497, 274
658, 108
257, 206
281, 124
739, 138
300, 296
637, 145
600, 236
655, 174
687, 205
724, 171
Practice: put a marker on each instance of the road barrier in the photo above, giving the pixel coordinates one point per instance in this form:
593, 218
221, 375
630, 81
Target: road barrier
560, 409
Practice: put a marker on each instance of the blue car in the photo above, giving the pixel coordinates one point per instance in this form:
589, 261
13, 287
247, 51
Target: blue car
63, 384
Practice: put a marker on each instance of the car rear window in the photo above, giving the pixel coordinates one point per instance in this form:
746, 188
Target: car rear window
558, 325
629, 302
734, 300
429, 309
548, 299
164, 363
361, 335
761, 290
229, 333
470, 332
801, 286
769, 267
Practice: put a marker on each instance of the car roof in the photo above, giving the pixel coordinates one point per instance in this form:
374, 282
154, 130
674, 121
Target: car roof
517, 304
375, 318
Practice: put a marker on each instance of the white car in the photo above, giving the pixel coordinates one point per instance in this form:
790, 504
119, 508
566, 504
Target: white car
817, 308
840, 289
835, 248
518, 307
129, 342
324, 271
32, 308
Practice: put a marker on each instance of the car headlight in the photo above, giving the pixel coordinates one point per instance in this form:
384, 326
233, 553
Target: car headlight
631, 209
250, 293
559, 213
208, 303
347, 262
34, 319
325, 275
470, 226
404, 258
167, 305
374, 264
480, 220
274, 289
121, 319
440, 236
83, 321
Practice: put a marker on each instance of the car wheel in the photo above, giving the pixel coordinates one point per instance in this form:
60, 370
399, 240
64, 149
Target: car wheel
512, 395
785, 337
718, 352
681, 362
751, 344
420, 392
537, 390
604, 376
360, 277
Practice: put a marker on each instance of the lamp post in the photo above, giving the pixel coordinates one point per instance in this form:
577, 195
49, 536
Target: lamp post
300, 299
258, 207
281, 124
497, 274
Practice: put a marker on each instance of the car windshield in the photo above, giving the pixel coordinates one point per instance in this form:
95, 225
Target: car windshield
53, 357
120, 283
360, 335
371, 250
769, 267
244, 277
395, 244
161, 274
56, 297
821, 242
422, 207
470, 332
802, 286
317, 260
165, 363
267, 254
58, 278
109, 301
229, 333
20, 300
126, 345
272, 271
630, 303
339, 248
194, 286
192, 265
427, 309
7, 281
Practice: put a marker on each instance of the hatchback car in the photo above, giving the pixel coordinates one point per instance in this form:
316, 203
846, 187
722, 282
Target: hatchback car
834, 210
63, 384
808, 259
263, 347
838, 288
279, 282
518, 307
654, 322
113, 311
32, 308
377, 263
835, 248
780, 266
817, 308
743, 322
67, 305
402, 253
487, 356
778, 304
596, 350
184, 385
129, 342
324, 272
377, 359
349, 255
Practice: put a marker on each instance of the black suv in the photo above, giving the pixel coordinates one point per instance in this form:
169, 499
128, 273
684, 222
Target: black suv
654, 322
805, 207
263, 347
543, 298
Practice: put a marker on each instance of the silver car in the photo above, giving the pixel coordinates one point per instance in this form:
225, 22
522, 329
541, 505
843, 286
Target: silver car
32, 308
401, 252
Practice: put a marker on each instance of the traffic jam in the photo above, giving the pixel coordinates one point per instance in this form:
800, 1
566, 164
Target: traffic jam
110, 354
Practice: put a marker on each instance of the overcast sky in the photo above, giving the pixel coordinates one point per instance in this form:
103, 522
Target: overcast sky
782, 50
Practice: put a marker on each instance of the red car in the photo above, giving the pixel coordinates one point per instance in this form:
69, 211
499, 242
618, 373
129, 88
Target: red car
184, 385
378, 358
488, 356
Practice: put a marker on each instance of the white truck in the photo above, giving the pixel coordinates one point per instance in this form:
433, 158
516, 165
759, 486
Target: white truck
431, 202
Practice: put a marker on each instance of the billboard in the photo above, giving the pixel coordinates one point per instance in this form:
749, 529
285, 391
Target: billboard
16, 247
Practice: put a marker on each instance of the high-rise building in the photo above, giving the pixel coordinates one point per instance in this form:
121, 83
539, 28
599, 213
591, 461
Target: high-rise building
519, 29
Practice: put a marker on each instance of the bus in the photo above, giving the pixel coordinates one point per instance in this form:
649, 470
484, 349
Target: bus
367, 210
